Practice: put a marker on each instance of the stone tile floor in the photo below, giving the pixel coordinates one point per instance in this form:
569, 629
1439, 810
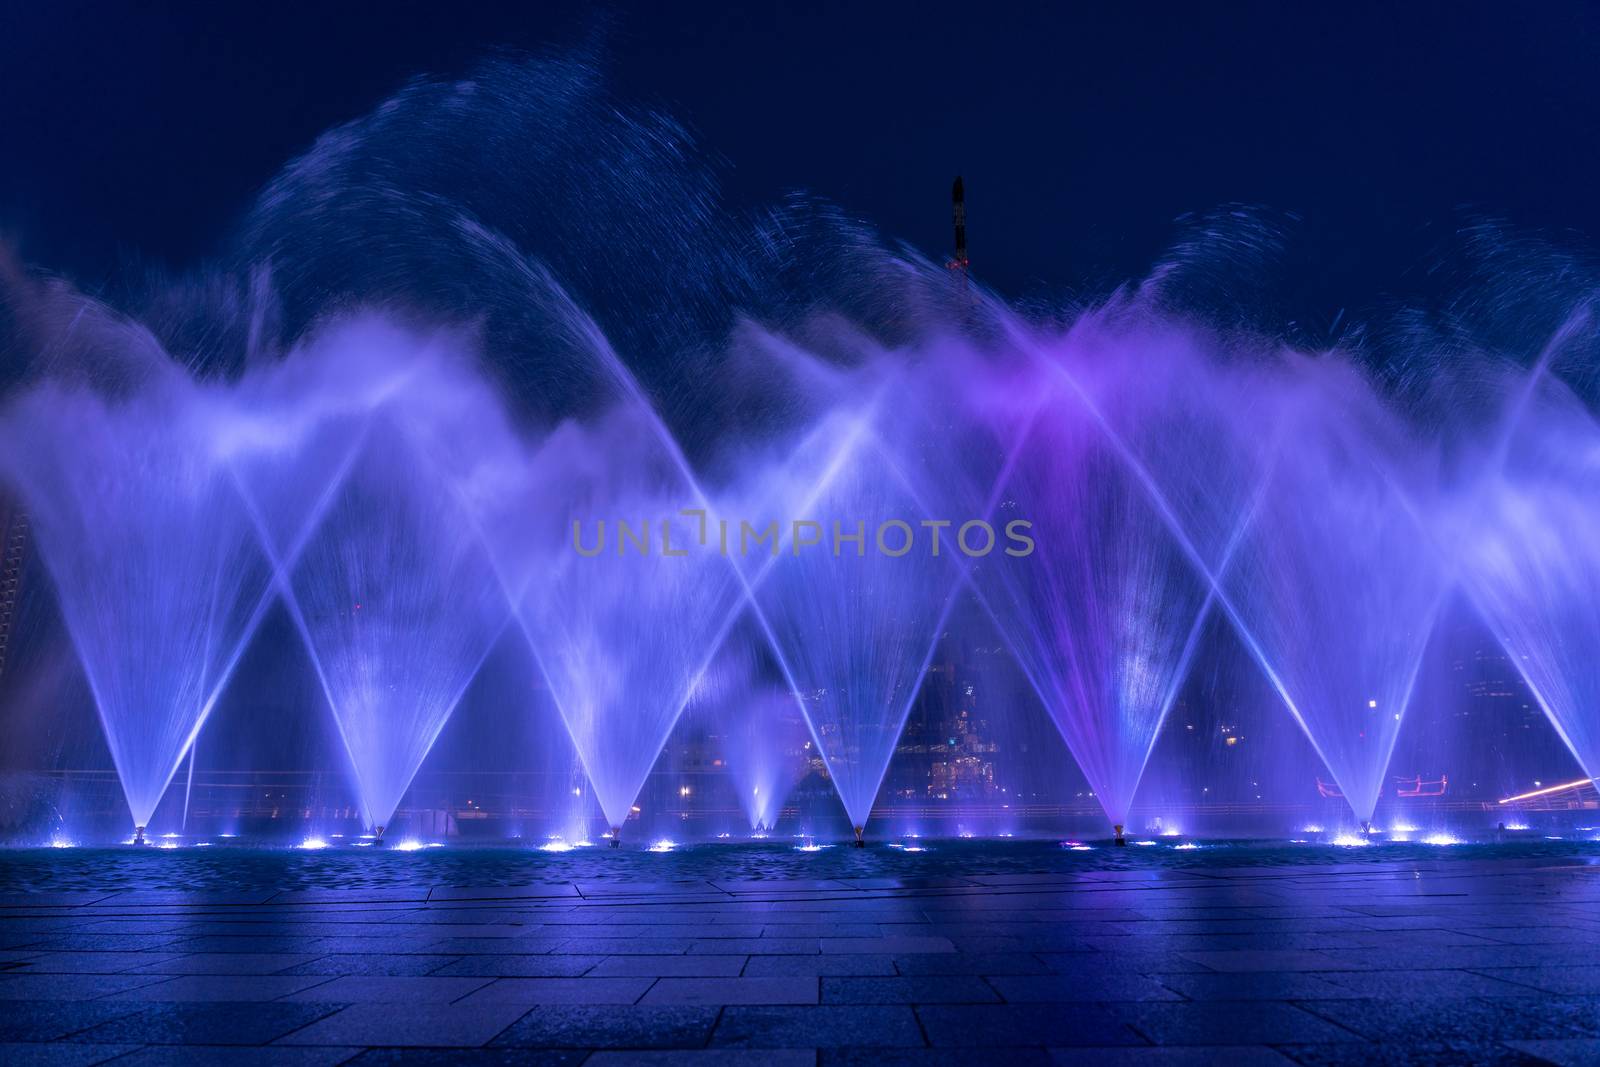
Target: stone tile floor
1446, 961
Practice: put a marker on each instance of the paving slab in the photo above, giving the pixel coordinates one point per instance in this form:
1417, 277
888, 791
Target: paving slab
819, 966
632, 1026
221, 987
61, 1055
820, 1026
222, 1023
390, 989
1430, 962
532, 991
528, 966
426, 1025
701, 966
995, 1026
726, 991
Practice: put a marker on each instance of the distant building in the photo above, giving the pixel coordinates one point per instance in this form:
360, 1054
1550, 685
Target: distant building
13, 554
947, 751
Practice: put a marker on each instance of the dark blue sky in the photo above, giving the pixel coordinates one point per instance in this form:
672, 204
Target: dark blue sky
1083, 130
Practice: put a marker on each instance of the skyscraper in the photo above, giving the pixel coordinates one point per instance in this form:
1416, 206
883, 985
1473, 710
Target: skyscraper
13, 552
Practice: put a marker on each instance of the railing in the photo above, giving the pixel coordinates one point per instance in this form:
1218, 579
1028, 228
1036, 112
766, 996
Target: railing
449, 799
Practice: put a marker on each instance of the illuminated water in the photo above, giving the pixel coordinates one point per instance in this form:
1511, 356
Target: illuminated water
544, 401
154, 560
242, 870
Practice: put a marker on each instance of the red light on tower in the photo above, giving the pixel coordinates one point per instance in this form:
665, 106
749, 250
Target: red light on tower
958, 201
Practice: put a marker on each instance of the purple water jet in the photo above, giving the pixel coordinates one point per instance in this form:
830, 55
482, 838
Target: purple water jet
154, 559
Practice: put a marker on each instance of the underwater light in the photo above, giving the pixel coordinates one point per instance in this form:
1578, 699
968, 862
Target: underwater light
1516, 826
61, 842
811, 846
1402, 828
1311, 828
1441, 839
1144, 844
1185, 846
555, 846
312, 844
227, 835
1349, 840
662, 846
410, 844
202, 844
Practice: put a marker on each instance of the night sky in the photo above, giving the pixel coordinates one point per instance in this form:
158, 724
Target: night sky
1085, 132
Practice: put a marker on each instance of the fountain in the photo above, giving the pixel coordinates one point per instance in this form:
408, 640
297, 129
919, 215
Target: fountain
755, 723
1337, 581
586, 538
398, 605
452, 417
378, 560
154, 560
852, 603
1105, 615
1529, 569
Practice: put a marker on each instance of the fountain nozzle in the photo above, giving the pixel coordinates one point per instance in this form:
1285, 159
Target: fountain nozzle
138, 835
377, 835
1366, 827
861, 837
1118, 839
616, 837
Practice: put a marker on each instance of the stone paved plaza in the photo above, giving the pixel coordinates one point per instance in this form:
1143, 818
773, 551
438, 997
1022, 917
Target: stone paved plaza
1442, 961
